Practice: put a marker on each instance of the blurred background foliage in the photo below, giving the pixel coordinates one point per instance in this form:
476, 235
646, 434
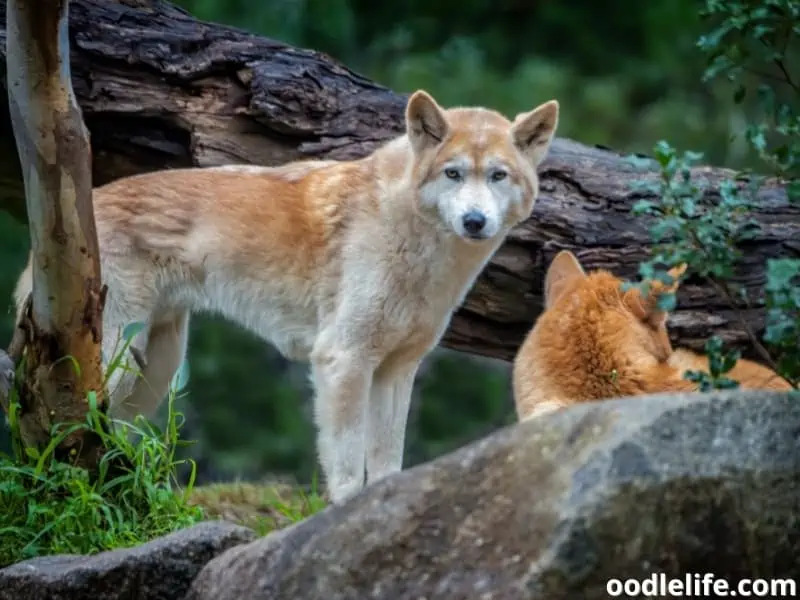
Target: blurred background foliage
627, 74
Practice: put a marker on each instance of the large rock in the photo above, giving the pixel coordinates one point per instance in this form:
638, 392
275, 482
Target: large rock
159, 570
553, 509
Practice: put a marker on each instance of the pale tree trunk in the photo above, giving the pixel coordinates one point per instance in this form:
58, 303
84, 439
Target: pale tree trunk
62, 324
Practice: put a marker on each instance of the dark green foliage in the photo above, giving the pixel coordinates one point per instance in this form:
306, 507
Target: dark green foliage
690, 228
720, 361
249, 409
753, 43
783, 315
457, 402
14, 244
748, 37
629, 79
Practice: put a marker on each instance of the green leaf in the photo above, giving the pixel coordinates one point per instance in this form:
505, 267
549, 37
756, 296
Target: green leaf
91, 397
644, 163
132, 330
723, 383
692, 157
181, 378
757, 140
644, 207
664, 153
781, 273
666, 301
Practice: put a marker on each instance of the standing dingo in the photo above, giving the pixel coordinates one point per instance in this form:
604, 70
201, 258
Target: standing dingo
354, 266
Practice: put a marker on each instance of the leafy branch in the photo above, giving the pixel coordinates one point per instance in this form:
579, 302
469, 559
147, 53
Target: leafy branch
691, 226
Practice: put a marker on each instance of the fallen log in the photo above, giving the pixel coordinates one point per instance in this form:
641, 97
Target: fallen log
159, 89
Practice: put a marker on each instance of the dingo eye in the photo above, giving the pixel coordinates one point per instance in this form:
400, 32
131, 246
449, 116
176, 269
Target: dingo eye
452, 173
499, 175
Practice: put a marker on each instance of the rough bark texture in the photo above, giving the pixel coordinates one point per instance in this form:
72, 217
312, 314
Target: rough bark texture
62, 323
160, 89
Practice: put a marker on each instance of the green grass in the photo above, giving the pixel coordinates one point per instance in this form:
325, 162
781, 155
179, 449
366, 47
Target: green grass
261, 507
49, 507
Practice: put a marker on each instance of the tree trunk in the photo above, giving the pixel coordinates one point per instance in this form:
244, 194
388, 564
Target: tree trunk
62, 322
160, 89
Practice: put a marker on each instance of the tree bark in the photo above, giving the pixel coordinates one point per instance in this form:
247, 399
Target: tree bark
160, 89
62, 321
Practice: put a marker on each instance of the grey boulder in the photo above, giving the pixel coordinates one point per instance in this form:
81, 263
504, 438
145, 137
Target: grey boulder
159, 570
553, 509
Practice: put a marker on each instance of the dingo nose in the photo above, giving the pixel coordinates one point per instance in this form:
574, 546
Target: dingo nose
473, 222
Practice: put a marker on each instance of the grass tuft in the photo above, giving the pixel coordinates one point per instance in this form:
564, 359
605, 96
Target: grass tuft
261, 507
48, 506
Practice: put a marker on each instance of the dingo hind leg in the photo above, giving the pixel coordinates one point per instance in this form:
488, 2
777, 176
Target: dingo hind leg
120, 366
165, 351
128, 313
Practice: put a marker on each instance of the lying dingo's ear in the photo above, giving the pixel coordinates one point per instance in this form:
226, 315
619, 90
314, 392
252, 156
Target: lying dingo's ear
564, 269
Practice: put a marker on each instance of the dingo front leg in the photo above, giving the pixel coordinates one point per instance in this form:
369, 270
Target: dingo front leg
341, 382
389, 403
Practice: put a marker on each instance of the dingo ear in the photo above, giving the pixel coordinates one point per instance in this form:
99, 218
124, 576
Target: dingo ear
533, 131
426, 124
676, 273
564, 269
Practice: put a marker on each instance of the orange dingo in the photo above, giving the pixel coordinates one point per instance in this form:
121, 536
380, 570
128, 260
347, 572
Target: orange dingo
593, 342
